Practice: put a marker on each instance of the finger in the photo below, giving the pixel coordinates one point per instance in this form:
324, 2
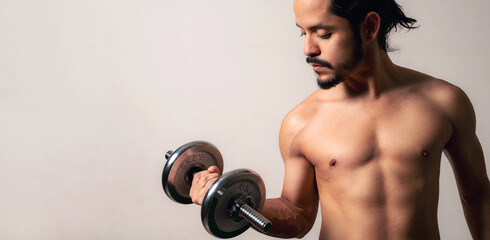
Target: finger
210, 183
201, 183
203, 176
198, 193
204, 190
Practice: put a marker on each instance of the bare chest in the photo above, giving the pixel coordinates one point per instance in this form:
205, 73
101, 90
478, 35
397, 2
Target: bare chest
351, 137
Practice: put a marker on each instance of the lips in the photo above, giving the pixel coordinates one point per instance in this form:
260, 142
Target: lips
317, 67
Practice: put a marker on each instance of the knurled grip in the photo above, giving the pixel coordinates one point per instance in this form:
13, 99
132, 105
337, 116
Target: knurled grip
258, 221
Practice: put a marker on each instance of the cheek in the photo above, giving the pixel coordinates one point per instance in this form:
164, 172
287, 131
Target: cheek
347, 48
335, 52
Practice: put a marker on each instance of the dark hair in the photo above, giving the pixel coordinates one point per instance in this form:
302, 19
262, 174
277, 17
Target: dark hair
390, 12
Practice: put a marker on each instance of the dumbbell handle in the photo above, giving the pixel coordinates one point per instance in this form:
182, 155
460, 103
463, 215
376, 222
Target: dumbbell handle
258, 221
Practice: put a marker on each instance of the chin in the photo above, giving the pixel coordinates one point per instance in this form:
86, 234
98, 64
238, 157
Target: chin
329, 82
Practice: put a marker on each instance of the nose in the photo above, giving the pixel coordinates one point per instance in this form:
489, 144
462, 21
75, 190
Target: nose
311, 48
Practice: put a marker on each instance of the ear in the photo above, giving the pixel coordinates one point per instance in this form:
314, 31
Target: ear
370, 26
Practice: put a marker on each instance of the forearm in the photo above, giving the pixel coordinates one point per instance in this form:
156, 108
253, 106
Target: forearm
288, 220
477, 213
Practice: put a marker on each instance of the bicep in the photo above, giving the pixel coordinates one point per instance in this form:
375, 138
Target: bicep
299, 185
464, 150
466, 158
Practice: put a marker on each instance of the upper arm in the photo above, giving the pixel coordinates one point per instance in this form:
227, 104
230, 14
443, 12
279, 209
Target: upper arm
463, 149
299, 179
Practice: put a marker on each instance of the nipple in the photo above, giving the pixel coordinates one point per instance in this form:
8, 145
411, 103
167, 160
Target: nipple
333, 162
425, 153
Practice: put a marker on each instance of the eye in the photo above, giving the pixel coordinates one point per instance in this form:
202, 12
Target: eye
326, 36
302, 35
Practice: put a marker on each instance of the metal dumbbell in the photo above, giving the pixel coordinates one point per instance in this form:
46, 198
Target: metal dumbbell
232, 203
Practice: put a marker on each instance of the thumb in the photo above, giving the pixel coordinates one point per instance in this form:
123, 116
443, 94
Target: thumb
213, 169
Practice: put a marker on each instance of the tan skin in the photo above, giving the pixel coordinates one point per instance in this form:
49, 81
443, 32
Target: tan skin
369, 149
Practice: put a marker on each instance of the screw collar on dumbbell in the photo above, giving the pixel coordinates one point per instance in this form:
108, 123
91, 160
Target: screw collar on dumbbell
234, 196
233, 209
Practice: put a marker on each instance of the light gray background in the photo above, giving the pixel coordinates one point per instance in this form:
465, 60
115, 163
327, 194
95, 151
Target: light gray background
93, 93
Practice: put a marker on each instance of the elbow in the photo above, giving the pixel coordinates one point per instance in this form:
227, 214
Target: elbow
306, 220
308, 223
308, 216
296, 227
290, 221
479, 194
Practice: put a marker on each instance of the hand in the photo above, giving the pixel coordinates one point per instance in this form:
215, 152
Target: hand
201, 182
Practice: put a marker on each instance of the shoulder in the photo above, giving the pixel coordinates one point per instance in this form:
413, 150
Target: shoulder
300, 115
448, 99
451, 100
447, 96
296, 120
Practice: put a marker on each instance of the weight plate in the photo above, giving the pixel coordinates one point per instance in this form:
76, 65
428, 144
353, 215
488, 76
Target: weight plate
189, 158
215, 211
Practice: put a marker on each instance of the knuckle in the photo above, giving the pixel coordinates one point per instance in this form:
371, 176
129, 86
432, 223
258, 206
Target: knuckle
197, 175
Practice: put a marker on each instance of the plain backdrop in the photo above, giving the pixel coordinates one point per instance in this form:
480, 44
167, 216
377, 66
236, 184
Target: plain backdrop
93, 93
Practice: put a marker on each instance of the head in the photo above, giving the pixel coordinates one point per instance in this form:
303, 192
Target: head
338, 33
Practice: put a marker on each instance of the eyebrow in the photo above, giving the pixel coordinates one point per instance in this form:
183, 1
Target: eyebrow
317, 26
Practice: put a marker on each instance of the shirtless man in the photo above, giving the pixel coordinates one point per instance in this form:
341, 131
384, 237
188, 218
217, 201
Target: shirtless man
368, 143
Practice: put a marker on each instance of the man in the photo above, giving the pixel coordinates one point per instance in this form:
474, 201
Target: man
368, 143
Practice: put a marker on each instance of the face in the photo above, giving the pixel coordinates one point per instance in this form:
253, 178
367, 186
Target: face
331, 46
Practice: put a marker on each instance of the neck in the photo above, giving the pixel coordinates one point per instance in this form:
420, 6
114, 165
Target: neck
373, 76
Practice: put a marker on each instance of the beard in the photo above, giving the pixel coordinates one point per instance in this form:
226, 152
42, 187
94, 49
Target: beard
340, 72
329, 83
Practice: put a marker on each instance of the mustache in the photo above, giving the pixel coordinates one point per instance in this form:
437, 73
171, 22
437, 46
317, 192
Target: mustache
318, 61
